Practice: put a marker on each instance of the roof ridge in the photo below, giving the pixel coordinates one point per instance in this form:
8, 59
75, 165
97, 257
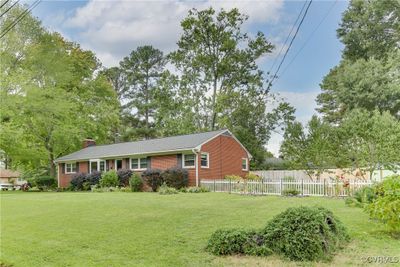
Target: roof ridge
158, 138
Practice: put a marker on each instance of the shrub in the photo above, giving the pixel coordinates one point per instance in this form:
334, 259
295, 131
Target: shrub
34, 189
233, 177
290, 192
253, 177
124, 176
136, 183
237, 241
166, 190
361, 197
305, 234
43, 182
78, 180
176, 177
194, 189
153, 178
109, 179
93, 178
386, 206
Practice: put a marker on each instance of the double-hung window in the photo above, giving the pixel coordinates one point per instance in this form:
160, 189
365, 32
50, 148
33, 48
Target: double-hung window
188, 160
139, 163
70, 167
204, 160
245, 164
98, 165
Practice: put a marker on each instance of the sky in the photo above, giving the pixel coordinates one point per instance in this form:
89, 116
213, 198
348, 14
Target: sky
112, 29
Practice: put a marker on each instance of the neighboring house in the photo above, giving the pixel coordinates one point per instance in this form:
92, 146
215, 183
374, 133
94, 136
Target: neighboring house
10, 177
209, 155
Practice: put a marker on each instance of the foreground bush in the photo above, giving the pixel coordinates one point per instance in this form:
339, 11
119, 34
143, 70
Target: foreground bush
109, 179
166, 190
386, 206
93, 178
305, 234
136, 183
124, 176
153, 178
176, 177
237, 241
78, 180
362, 197
43, 182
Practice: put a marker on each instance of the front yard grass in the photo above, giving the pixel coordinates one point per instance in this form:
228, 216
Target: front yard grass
148, 229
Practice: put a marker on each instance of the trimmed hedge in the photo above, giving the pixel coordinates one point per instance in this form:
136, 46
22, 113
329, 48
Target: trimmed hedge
123, 176
153, 178
176, 177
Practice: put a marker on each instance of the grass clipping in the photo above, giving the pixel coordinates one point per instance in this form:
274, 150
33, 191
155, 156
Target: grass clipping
298, 234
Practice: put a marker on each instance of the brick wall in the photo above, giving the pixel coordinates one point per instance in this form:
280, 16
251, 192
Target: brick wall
225, 157
164, 162
65, 178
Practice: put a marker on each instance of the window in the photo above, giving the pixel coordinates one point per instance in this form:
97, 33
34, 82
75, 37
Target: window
70, 167
245, 163
97, 165
204, 161
139, 164
188, 160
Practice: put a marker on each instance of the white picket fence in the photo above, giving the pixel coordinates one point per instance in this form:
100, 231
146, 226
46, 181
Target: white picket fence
304, 187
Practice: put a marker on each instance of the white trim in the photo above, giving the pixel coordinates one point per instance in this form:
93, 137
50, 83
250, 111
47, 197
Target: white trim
65, 168
183, 161
138, 169
234, 137
247, 164
98, 164
208, 160
58, 175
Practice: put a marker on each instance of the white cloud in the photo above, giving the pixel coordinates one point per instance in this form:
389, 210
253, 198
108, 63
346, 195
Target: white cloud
113, 29
305, 105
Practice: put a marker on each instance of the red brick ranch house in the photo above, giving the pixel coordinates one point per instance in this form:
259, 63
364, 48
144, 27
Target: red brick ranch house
209, 155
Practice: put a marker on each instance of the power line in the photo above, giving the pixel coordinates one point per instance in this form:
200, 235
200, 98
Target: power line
309, 37
4, 3
287, 37
19, 18
290, 44
8, 9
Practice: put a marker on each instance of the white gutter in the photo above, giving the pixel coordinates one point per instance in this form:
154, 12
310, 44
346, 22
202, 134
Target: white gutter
196, 152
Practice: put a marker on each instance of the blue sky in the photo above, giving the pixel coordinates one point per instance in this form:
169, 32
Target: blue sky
113, 28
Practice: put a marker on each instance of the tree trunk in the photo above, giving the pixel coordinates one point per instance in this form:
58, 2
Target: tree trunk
214, 114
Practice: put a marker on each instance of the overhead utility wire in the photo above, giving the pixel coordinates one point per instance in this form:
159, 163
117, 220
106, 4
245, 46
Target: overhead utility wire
19, 18
8, 9
5, 2
290, 45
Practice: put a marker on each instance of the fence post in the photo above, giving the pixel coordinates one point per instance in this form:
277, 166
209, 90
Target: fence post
262, 186
281, 186
302, 187
324, 187
214, 185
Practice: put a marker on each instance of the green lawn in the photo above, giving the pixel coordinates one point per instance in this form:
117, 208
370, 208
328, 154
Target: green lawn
148, 229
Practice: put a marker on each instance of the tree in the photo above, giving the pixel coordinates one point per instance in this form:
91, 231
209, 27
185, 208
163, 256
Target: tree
368, 75
311, 149
51, 97
370, 29
369, 142
220, 82
142, 69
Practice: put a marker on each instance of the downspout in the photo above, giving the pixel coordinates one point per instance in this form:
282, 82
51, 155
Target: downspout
58, 174
196, 152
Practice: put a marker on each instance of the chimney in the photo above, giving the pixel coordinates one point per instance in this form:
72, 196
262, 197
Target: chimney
88, 142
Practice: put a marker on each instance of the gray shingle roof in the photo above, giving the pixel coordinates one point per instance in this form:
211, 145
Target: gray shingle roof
152, 146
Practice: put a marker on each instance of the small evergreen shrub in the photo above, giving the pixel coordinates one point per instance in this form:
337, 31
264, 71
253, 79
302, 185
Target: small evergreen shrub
176, 177
237, 241
305, 234
93, 178
290, 192
166, 190
109, 179
124, 176
45, 182
153, 178
136, 183
78, 180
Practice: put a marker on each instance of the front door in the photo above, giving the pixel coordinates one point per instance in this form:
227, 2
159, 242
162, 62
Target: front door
118, 164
